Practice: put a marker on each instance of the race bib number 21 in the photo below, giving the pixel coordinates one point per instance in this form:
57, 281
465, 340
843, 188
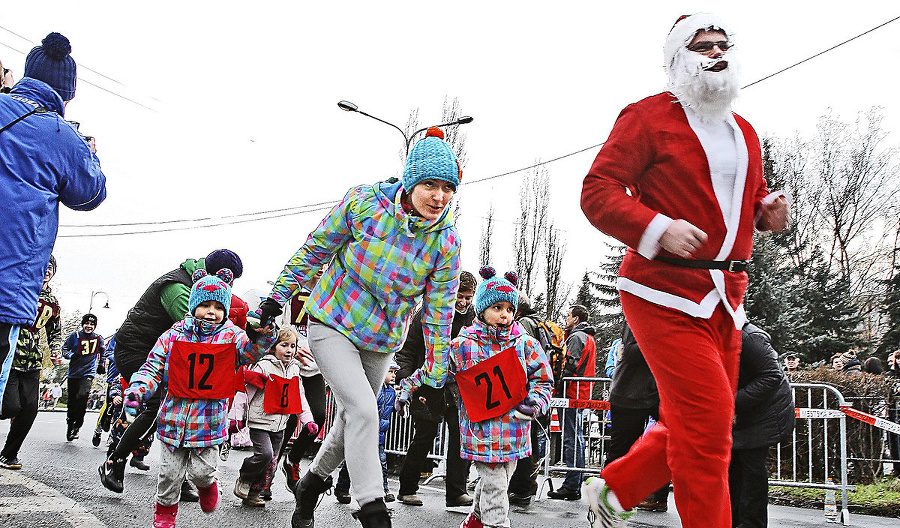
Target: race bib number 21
494, 386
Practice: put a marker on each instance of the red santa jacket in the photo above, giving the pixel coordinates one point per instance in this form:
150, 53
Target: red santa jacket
654, 153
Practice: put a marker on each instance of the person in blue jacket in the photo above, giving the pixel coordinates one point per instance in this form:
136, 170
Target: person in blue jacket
84, 350
43, 161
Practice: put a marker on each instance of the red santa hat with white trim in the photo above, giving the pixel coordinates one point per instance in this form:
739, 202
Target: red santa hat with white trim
684, 30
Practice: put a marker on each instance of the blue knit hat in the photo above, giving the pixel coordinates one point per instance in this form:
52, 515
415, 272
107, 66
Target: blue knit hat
433, 158
224, 258
211, 288
50, 62
495, 289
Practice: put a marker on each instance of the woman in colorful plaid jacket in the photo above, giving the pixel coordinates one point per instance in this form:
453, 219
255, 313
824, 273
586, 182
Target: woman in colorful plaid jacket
388, 245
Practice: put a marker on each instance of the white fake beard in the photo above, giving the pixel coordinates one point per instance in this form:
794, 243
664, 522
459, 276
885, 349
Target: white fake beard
708, 93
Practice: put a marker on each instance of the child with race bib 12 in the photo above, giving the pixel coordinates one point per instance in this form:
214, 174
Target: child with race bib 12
197, 359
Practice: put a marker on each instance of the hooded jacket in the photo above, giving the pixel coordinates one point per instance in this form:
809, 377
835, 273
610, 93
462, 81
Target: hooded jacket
506, 437
258, 418
633, 385
43, 161
581, 360
188, 422
385, 400
383, 261
764, 406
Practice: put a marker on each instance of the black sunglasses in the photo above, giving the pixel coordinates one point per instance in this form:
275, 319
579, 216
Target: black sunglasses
705, 46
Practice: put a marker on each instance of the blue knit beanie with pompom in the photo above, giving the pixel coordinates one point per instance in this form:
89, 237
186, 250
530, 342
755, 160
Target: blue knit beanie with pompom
211, 288
431, 158
51, 63
495, 289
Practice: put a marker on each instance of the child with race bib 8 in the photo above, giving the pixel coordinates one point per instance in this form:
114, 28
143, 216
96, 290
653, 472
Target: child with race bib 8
504, 381
197, 359
275, 393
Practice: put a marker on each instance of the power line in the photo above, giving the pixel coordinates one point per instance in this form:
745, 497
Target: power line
85, 81
241, 215
26, 39
537, 164
186, 228
822, 52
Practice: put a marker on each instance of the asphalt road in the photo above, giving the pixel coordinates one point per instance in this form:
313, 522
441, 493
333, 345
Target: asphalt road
59, 487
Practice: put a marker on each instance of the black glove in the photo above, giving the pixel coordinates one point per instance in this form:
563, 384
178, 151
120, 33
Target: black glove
101, 367
268, 310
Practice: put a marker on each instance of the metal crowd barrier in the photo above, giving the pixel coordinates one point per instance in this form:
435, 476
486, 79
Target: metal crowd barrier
817, 406
594, 430
808, 468
796, 464
399, 436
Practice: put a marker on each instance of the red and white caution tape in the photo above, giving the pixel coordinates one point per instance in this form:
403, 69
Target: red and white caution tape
880, 423
818, 413
571, 403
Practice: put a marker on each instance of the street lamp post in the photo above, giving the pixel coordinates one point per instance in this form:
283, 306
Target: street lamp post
347, 106
94, 294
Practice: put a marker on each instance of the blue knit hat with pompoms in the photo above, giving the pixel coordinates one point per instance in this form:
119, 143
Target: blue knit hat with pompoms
211, 288
431, 157
51, 63
495, 289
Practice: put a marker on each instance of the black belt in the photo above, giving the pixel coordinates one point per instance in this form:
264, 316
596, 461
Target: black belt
733, 266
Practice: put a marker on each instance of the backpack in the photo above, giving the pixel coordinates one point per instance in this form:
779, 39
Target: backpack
553, 341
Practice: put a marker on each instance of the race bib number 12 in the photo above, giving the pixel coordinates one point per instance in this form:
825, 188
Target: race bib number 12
202, 370
494, 386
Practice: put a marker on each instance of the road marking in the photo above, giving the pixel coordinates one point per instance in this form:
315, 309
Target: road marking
45, 499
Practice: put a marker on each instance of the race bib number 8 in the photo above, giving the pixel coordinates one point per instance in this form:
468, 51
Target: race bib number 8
202, 370
282, 396
44, 313
494, 386
89, 346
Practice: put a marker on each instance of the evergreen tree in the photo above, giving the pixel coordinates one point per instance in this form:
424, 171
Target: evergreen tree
831, 320
539, 303
770, 302
585, 297
610, 319
890, 341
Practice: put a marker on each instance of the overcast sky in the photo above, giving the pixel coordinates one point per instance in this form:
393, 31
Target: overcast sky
233, 110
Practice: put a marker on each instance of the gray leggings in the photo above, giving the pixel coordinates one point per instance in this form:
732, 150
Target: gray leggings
355, 378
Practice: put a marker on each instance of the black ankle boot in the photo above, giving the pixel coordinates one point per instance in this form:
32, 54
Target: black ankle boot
112, 474
374, 515
306, 494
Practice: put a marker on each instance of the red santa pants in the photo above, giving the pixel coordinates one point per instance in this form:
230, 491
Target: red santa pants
695, 362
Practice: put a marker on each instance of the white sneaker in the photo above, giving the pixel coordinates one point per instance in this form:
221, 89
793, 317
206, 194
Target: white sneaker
224, 450
601, 514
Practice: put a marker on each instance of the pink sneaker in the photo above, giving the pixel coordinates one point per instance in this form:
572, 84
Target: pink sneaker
164, 516
209, 497
471, 521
